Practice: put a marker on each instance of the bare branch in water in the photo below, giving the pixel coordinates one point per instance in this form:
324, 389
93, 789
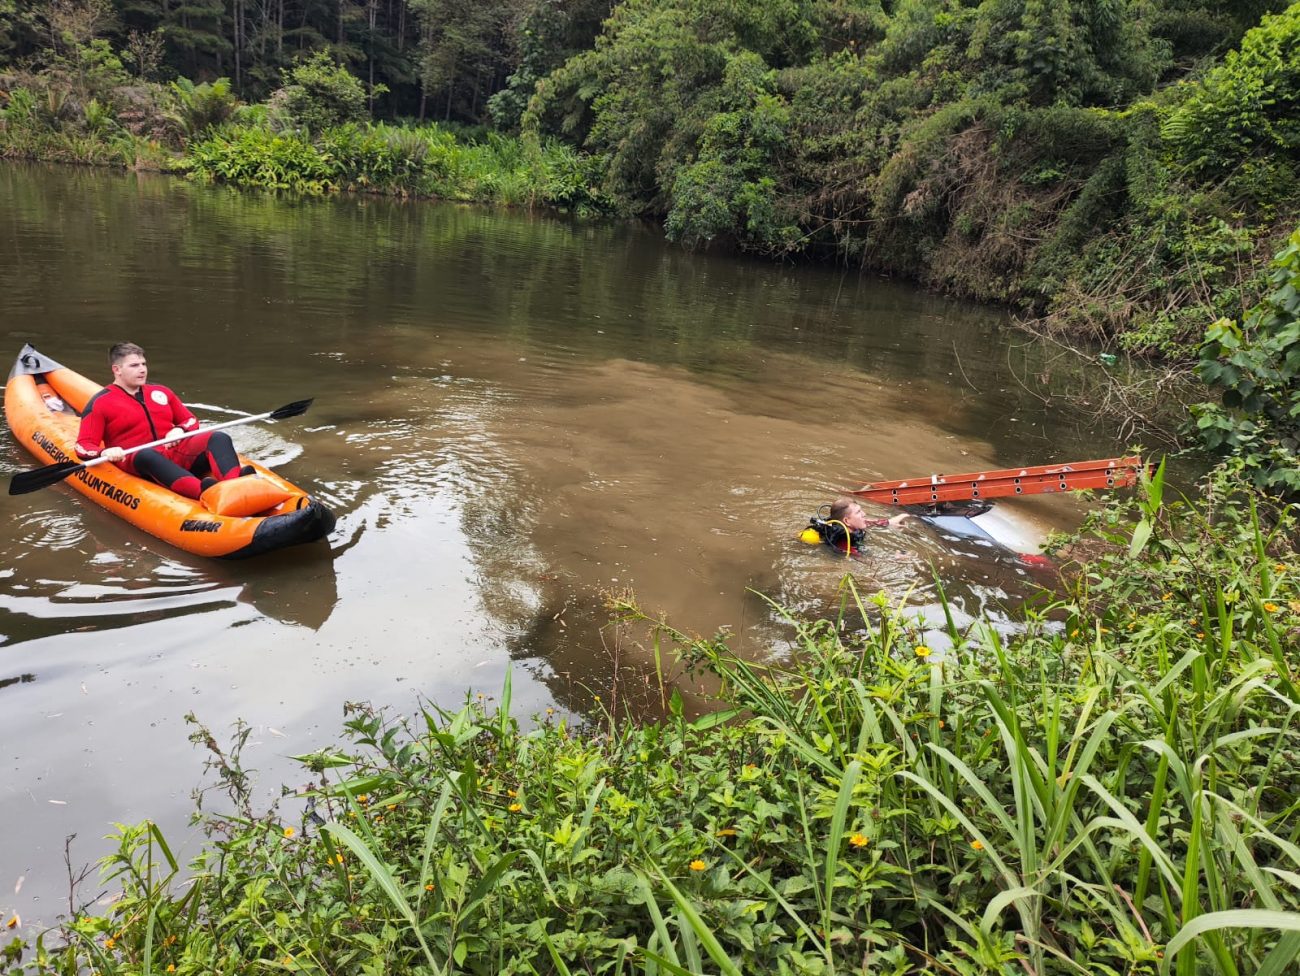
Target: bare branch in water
75, 879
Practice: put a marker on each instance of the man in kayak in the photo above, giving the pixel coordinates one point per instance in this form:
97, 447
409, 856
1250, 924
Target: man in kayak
130, 411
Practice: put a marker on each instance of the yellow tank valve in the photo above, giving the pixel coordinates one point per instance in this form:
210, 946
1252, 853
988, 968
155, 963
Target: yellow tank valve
810, 536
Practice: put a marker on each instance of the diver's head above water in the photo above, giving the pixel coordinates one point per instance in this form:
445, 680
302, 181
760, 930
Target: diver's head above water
846, 509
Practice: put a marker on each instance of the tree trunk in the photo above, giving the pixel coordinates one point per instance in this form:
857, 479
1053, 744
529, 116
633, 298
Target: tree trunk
370, 52
451, 90
239, 42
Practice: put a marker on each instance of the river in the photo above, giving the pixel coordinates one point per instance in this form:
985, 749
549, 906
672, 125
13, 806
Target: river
516, 415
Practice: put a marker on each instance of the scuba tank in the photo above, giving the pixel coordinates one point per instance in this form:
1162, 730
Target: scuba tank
833, 532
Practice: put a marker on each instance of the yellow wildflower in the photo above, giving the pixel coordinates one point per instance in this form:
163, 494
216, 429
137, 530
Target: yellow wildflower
14, 922
110, 942
977, 845
363, 798
698, 865
1270, 607
1167, 596
289, 831
512, 793
1280, 567
923, 651
171, 967
428, 887
515, 807
857, 840
391, 806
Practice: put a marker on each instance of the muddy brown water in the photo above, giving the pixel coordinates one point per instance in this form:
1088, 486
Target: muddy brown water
516, 415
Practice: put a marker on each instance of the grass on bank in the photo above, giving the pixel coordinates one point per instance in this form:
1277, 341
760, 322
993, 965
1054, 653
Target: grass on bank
424, 160
1112, 792
203, 132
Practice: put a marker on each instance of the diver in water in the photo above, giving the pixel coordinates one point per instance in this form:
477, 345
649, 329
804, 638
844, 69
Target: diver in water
845, 527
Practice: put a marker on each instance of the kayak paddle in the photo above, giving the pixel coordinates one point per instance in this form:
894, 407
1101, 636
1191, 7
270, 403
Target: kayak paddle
52, 474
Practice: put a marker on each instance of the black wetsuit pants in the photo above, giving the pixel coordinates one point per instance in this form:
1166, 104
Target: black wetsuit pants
213, 455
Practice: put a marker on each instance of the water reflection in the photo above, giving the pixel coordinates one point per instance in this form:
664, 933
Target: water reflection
298, 591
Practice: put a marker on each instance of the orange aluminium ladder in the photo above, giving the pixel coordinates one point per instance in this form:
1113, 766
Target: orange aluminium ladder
1043, 478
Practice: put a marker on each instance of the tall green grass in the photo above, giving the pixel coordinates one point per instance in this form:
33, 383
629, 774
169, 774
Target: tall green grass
1112, 791
413, 160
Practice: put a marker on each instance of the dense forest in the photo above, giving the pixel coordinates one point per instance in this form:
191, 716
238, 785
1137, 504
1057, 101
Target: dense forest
1121, 167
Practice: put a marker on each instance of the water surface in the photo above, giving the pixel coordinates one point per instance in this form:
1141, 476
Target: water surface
516, 416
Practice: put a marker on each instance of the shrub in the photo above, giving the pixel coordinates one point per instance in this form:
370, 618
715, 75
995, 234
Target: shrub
729, 188
202, 107
261, 158
321, 94
364, 158
1248, 106
1255, 367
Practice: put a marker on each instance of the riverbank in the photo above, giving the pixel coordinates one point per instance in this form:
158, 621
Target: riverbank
314, 138
425, 162
1110, 790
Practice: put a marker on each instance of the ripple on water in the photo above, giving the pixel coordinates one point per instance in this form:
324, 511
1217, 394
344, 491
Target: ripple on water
51, 529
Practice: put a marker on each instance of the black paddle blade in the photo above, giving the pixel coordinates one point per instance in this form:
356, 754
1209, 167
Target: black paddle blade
51, 474
295, 409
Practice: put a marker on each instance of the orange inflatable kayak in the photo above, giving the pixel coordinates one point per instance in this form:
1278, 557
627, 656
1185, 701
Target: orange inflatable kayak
43, 401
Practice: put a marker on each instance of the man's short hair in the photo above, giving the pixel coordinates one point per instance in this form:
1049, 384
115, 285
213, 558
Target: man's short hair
841, 505
121, 350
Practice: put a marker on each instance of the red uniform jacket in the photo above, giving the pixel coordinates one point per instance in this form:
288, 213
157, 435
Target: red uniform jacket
115, 418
